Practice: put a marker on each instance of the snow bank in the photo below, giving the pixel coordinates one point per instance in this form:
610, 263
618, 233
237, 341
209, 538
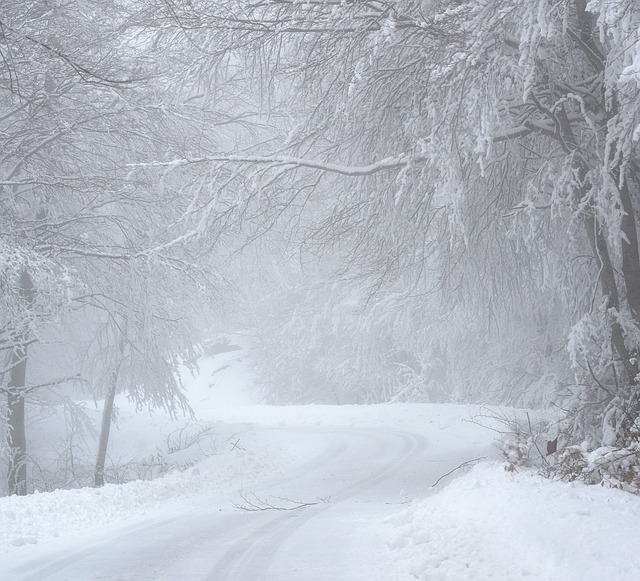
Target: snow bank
82, 513
491, 524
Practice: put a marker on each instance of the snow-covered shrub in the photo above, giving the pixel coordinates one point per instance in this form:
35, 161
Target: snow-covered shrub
570, 464
182, 448
607, 466
522, 440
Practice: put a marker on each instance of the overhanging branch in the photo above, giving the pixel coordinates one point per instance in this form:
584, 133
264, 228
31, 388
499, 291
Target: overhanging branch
387, 164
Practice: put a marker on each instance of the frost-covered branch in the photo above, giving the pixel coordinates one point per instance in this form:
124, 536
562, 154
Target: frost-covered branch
286, 162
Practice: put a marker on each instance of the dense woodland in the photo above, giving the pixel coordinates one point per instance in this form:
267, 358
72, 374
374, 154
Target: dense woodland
411, 200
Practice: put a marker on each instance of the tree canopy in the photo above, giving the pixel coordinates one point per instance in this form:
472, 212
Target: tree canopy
458, 182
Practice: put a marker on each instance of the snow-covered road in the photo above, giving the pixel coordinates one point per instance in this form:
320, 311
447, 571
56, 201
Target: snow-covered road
361, 475
317, 493
355, 476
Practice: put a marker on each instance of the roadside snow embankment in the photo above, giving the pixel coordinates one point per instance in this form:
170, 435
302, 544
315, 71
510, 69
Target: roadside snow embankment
87, 513
492, 524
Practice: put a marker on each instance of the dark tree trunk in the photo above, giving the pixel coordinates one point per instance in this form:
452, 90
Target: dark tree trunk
629, 294
631, 273
16, 433
630, 253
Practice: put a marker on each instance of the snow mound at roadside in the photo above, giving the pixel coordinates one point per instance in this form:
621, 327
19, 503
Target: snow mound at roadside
491, 524
85, 513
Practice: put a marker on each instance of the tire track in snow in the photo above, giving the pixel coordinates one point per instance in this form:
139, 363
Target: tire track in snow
251, 557
159, 536
240, 545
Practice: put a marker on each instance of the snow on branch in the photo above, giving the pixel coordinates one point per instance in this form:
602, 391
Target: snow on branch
387, 164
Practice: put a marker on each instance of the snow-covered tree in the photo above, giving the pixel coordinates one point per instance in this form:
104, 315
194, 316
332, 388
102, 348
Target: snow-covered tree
108, 251
485, 149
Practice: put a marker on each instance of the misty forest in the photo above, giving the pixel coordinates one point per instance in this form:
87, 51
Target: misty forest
398, 201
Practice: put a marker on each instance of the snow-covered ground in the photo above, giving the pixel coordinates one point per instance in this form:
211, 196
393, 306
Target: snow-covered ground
316, 493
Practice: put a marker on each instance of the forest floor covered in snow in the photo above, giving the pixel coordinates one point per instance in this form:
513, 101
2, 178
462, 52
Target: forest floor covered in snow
249, 491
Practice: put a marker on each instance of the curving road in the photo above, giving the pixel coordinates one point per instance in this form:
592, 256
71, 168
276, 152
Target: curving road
359, 478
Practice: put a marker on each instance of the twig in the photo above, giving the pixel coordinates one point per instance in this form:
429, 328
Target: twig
534, 440
256, 504
236, 445
463, 465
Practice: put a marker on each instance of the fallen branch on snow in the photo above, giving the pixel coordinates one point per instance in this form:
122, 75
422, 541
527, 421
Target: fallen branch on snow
463, 465
252, 503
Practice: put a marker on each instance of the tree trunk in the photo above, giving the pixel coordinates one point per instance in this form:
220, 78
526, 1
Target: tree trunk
16, 433
107, 417
105, 430
630, 255
630, 252
631, 274
610, 291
